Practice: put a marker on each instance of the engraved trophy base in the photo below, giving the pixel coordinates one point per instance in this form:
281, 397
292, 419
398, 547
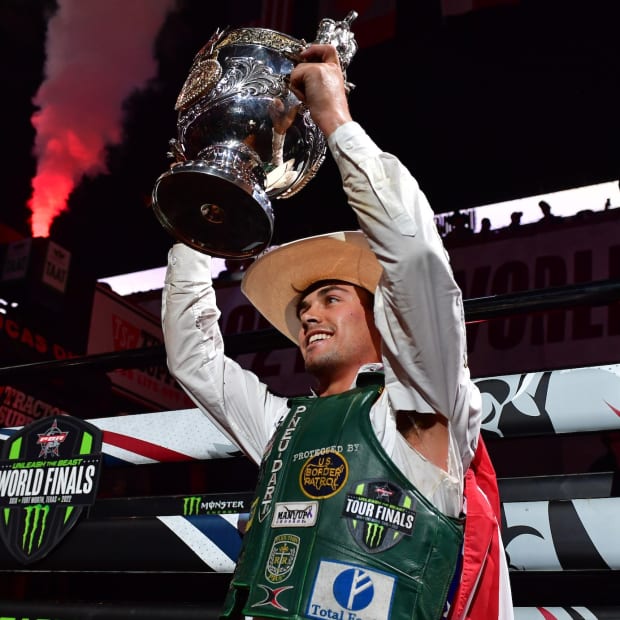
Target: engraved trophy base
236, 222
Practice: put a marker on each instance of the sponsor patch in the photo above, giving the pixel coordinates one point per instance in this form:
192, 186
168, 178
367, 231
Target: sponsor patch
282, 558
271, 598
343, 590
295, 514
206, 505
379, 514
323, 476
274, 459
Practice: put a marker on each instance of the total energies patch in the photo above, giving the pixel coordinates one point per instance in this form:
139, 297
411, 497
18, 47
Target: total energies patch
49, 471
346, 591
379, 513
324, 475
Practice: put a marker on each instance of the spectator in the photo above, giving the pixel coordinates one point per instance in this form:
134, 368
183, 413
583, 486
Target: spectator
485, 233
460, 228
515, 221
548, 218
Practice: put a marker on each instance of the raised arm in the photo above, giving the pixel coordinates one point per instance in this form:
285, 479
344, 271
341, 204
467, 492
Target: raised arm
418, 306
233, 398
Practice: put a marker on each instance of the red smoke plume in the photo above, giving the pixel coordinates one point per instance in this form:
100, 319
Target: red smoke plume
98, 52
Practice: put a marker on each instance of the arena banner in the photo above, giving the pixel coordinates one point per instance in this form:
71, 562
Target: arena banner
56, 264
564, 338
561, 535
567, 535
49, 471
16, 261
571, 400
543, 403
19, 339
117, 325
157, 437
575, 612
18, 407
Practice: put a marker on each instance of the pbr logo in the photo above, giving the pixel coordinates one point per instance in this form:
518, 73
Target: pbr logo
379, 514
49, 470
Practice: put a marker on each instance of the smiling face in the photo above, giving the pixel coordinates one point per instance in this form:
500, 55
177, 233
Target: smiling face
337, 333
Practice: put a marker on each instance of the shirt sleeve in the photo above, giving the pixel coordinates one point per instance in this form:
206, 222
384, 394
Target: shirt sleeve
418, 304
233, 398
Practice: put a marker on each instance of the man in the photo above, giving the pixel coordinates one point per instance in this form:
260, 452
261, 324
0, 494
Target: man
360, 499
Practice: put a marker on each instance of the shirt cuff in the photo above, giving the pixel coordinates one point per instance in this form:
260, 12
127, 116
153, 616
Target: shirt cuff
185, 263
350, 141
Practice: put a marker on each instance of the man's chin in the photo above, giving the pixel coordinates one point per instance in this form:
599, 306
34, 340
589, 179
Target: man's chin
318, 365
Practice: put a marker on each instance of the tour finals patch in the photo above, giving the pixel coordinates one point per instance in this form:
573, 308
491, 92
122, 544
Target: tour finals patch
49, 471
324, 475
379, 514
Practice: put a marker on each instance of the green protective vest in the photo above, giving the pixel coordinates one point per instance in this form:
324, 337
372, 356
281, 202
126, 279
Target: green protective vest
336, 531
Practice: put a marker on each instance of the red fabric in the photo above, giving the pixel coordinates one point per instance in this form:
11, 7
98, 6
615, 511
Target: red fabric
480, 575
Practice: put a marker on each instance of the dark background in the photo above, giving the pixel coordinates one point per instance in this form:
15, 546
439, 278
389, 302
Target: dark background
498, 103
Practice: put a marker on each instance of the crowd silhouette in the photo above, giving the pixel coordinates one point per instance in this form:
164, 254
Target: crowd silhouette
459, 228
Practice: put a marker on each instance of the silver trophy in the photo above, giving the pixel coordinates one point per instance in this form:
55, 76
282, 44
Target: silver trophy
243, 139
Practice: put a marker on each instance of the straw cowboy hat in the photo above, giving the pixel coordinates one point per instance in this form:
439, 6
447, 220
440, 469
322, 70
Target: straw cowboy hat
275, 282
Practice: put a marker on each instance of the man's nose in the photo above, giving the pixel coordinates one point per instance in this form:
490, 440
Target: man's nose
309, 316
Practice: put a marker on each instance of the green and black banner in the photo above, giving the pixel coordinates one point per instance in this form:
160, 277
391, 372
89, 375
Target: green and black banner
49, 471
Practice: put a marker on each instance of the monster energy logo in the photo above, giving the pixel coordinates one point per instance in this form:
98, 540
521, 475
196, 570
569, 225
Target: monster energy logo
201, 505
374, 535
35, 522
191, 506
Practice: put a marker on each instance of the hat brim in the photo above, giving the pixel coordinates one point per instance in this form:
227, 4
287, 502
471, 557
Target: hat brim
275, 281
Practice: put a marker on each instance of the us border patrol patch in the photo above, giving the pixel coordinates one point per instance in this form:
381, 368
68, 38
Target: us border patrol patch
324, 475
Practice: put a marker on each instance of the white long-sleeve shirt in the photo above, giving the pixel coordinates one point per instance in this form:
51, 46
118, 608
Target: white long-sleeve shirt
418, 311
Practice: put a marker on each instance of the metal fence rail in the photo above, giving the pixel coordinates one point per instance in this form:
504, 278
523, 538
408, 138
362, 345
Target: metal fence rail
593, 294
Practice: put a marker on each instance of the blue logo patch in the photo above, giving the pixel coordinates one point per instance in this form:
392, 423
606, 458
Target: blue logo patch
343, 590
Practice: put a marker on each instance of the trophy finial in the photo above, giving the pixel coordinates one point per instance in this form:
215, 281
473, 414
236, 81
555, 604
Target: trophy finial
340, 36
